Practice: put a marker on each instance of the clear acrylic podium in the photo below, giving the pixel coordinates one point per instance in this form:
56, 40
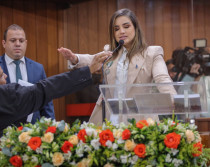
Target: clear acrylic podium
146, 100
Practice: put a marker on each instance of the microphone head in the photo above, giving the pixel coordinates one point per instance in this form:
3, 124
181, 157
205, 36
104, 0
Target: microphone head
106, 47
121, 42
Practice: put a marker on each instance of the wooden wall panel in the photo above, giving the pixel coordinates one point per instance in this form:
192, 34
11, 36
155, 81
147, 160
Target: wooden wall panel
198, 15
6, 18
83, 28
18, 13
185, 23
30, 9
167, 29
206, 20
103, 22
41, 34
92, 27
158, 23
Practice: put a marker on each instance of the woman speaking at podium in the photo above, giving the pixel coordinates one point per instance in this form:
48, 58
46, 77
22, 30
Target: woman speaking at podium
131, 62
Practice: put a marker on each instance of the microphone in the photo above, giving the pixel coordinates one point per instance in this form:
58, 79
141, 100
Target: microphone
121, 42
106, 48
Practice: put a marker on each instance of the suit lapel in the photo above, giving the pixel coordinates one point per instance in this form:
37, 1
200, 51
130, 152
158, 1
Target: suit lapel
134, 67
29, 70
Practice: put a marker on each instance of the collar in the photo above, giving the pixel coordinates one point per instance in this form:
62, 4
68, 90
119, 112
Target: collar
124, 50
10, 60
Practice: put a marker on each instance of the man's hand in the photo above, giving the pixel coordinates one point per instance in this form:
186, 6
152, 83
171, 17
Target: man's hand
97, 62
69, 55
3, 77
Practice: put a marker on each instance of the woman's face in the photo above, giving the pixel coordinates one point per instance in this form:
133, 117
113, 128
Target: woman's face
124, 30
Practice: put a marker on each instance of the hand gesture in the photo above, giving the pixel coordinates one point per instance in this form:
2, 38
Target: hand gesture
3, 77
69, 55
97, 62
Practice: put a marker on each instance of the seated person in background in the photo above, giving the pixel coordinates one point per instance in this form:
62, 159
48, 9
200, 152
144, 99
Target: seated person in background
133, 63
26, 100
171, 70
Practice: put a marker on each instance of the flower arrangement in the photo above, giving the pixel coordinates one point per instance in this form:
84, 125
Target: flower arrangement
144, 143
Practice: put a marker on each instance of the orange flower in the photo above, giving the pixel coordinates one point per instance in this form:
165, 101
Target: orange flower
35, 142
106, 135
198, 147
140, 150
172, 140
51, 129
20, 128
81, 135
141, 124
16, 161
66, 146
174, 123
126, 134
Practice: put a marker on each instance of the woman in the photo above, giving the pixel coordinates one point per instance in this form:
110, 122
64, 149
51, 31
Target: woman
134, 63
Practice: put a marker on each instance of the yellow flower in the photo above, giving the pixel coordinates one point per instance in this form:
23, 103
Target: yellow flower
24, 137
73, 140
109, 165
8, 141
98, 130
84, 163
57, 159
150, 121
129, 145
117, 133
48, 137
66, 128
190, 136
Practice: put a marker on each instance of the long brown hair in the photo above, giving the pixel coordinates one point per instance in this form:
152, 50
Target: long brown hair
139, 43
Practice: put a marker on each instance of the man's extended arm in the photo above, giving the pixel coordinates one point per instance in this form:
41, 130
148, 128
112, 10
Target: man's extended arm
19, 101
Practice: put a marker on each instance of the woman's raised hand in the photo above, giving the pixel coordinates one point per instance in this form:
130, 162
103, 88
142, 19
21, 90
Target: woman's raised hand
68, 54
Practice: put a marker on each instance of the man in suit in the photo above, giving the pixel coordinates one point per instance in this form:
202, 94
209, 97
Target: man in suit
19, 101
15, 45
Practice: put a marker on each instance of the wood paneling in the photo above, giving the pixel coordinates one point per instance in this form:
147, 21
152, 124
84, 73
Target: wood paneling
84, 29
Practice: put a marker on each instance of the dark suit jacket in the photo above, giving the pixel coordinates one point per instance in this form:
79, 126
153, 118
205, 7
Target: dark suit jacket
17, 101
35, 73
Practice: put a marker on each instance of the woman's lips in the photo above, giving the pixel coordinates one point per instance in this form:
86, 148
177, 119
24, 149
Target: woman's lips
123, 38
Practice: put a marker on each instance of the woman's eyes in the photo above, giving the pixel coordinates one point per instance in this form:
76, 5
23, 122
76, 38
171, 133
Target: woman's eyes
124, 26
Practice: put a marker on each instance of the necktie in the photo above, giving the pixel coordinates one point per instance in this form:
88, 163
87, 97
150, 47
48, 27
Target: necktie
18, 73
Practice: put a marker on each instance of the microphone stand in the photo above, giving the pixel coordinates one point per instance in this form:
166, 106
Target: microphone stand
103, 102
121, 42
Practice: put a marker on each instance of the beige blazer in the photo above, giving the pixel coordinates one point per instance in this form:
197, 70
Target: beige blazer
143, 68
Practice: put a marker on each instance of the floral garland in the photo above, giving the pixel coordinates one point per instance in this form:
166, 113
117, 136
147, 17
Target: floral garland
144, 143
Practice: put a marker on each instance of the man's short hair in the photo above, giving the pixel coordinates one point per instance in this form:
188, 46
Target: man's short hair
12, 27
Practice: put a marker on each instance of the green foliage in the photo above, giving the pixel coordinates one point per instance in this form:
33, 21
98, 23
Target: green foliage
115, 153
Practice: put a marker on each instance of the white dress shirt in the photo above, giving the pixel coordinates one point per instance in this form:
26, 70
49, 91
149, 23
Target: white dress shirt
121, 75
12, 69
